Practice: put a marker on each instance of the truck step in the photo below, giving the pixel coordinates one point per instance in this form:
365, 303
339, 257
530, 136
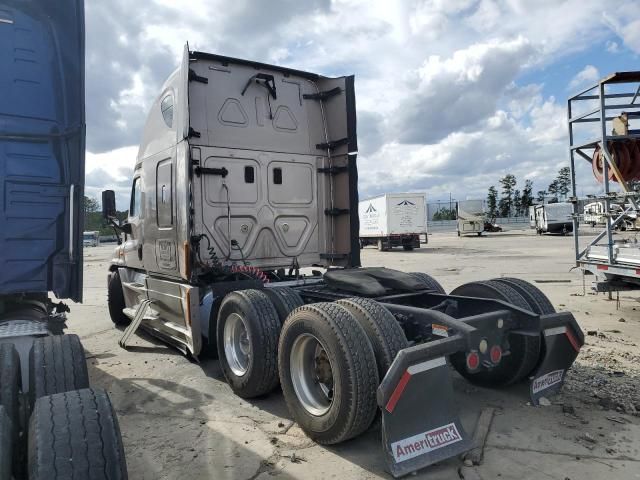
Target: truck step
135, 323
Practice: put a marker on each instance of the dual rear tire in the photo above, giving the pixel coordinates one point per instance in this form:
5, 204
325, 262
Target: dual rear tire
328, 357
524, 350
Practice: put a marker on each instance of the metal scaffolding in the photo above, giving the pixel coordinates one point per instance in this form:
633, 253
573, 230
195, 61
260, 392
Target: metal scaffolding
616, 266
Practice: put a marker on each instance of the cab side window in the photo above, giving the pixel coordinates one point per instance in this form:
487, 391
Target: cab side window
166, 107
136, 204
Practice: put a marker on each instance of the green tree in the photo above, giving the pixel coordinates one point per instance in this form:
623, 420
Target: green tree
542, 194
517, 203
526, 200
508, 183
492, 202
564, 181
553, 190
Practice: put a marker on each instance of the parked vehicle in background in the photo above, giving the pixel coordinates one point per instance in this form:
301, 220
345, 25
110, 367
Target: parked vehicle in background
532, 216
470, 215
554, 218
393, 220
491, 226
593, 214
53, 425
91, 238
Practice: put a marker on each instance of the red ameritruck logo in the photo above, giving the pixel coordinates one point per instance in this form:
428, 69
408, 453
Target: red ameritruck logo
425, 442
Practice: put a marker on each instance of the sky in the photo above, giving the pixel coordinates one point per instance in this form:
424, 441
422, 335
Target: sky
451, 94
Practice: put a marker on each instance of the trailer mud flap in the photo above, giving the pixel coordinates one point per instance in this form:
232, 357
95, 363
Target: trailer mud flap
561, 347
419, 424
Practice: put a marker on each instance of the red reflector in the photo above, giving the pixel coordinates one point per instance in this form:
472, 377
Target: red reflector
397, 393
495, 354
473, 360
572, 339
603, 267
637, 271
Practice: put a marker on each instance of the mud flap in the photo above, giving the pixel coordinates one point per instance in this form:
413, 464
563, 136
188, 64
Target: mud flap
562, 344
419, 424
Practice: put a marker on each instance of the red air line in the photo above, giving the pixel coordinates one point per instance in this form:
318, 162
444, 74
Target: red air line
572, 339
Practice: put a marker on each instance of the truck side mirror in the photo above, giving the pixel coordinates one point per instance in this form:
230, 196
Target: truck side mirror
108, 204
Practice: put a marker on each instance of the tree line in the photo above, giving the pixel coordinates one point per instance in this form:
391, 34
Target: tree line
513, 202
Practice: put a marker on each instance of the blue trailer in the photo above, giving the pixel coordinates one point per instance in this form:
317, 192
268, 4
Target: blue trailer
52, 424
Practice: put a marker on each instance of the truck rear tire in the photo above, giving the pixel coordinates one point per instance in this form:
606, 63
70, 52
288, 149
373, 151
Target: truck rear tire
57, 364
285, 300
7, 433
10, 380
407, 247
538, 301
428, 281
383, 330
325, 360
247, 336
524, 350
115, 300
75, 435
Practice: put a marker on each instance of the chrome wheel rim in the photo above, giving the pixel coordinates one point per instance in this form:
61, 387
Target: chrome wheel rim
237, 348
312, 374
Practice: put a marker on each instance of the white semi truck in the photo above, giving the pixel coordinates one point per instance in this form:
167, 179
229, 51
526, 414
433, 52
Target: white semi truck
247, 174
393, 220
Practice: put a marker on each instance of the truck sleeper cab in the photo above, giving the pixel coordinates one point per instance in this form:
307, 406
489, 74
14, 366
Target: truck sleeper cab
246, 174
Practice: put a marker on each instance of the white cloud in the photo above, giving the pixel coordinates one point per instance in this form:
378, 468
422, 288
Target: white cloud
612, 47
584, 77
450, 94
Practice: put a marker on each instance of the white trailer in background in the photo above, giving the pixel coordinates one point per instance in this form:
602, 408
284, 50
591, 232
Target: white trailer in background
532, 216
393, 220
554, 218
470, 217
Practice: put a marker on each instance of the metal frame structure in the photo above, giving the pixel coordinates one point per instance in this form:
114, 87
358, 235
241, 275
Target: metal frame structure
613, 270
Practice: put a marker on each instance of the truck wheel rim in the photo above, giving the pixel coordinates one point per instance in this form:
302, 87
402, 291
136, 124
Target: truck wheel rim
312, 374
237, 348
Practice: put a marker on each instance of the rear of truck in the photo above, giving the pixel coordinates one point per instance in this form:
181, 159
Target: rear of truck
393, 220
42, 145
249, 179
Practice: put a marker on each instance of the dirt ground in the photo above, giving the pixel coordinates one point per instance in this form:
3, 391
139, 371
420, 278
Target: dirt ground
179, 419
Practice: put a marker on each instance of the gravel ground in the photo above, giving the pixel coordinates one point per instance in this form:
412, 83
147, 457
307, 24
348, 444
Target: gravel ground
180, 420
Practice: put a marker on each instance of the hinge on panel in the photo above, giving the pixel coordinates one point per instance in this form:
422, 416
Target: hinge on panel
333, 170
322, 95
334, 212
334, 256
332, 144
194, 77
193, 133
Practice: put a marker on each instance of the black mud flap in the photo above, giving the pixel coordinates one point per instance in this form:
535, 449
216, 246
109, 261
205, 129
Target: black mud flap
562, 339
419, 424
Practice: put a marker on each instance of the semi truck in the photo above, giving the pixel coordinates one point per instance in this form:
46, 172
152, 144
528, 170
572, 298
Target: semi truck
242, 241
393, 220
470, 214
53, 425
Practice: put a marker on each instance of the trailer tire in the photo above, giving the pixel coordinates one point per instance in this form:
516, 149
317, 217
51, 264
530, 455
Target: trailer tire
407, 247
525, 350
57, 364
75, 435
329, 332
247, 333
428, 281
537, 300
115, 300
7, 435
10, 382
285, 300
383, 330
